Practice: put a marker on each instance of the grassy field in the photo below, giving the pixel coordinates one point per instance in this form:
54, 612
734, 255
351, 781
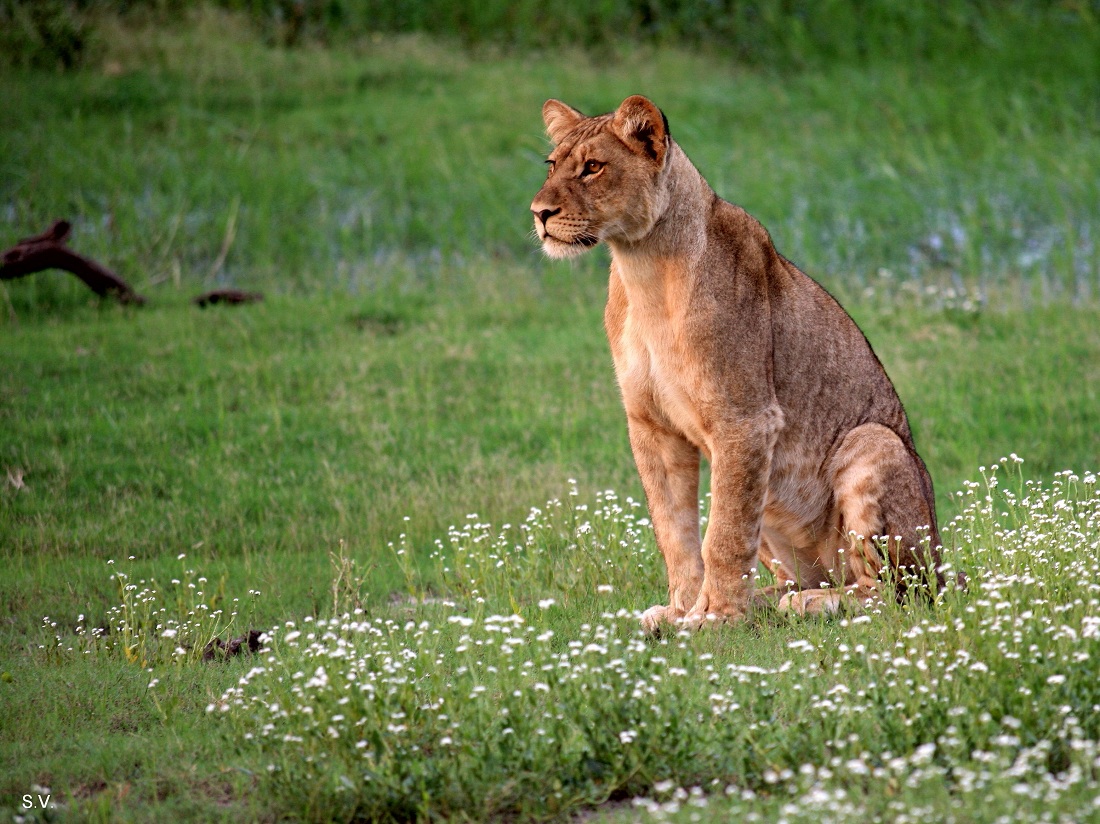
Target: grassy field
361, 465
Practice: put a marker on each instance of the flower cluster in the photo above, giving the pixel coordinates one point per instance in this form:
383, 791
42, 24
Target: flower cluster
529, 690
153, 624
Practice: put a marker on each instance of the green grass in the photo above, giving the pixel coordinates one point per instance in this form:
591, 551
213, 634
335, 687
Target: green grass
399, 160
415, 362
259, 439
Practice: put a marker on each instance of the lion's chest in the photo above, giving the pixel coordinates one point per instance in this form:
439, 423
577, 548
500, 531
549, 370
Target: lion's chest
658, 378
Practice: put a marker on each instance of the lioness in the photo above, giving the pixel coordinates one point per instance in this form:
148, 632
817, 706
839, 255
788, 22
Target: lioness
723, 347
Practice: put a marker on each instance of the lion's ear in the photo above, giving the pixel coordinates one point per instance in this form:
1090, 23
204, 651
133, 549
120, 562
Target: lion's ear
643, 127
559, 119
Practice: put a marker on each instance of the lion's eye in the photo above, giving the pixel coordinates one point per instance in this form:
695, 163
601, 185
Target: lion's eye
591, 167
549, 167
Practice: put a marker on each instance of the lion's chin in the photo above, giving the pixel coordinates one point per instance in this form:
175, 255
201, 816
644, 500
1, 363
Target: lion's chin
559, 249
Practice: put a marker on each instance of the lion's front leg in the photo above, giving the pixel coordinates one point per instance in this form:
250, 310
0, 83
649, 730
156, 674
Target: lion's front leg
740, 467
669, 467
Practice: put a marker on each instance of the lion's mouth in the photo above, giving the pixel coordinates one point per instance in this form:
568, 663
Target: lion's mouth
585, 241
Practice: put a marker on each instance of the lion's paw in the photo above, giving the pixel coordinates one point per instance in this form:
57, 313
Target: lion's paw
697, 619
657, 616
812, 602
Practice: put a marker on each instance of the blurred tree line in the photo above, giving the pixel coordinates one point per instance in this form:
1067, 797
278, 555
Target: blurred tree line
782, 34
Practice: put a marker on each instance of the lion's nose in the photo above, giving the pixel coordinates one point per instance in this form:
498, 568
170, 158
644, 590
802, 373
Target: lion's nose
545, 214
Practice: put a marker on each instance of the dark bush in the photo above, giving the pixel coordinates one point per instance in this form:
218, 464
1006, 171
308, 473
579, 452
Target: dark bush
779, 34
46, 34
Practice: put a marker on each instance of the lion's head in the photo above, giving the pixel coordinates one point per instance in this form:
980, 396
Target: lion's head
604, 181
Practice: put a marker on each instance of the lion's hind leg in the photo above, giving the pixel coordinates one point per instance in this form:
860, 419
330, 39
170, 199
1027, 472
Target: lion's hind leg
885, 520
887, 512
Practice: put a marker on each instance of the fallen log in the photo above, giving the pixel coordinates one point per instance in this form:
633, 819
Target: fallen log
232, 297
48, 251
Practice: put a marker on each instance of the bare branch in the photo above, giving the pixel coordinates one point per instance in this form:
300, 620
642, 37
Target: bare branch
48, 251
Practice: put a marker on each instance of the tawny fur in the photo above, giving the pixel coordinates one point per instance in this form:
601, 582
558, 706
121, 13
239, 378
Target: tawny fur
724, 349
